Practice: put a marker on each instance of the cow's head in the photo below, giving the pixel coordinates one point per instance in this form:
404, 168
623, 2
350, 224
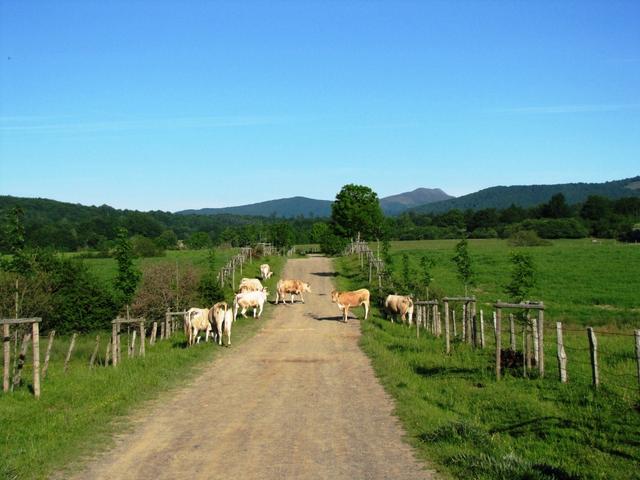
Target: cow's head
334, 296
306, 287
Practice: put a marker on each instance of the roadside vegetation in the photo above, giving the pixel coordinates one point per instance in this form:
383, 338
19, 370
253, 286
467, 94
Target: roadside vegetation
468, 425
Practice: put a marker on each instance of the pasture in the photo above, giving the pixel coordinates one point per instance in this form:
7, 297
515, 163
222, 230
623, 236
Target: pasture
107, 268
470, 426
80, 410
581, 282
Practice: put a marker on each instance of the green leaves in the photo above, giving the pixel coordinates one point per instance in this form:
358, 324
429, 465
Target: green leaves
463, 263
128, 276
357, 210
522, 276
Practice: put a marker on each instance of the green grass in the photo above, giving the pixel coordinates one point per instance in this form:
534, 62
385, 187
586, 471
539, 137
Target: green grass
469, 426
580, 282
107, 268
79, 411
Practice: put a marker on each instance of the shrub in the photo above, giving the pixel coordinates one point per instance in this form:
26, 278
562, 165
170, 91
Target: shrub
332, 244
145, 247
527, 238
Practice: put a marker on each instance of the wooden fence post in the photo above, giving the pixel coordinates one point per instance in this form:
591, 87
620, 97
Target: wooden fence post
6, 341
162, 330
541, 342
498, 341
536, 338
562, 355
132, 345
23, 353
482, 344
526, 362
119, 343
167, 320
637, 334
447, 340
593, 350
114, 343
52, 334
438, 319
107, 353
95, 352
71, 345
464, 322
453, 320
154, 331
512, 332
142, 339
474, 324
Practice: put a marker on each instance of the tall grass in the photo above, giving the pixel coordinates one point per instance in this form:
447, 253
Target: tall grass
470, 426
79, 411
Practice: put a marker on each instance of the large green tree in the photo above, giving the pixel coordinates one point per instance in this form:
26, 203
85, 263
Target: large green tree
128, 275
357, 210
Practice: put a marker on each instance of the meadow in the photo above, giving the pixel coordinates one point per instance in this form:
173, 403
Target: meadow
107, 268
80, 410
468, 425
580, 282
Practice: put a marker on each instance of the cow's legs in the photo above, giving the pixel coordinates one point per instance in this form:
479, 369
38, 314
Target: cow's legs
346, 313
244, 312
260, 313
366, 310
301, 297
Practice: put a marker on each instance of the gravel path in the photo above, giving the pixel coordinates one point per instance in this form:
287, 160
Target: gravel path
298, 400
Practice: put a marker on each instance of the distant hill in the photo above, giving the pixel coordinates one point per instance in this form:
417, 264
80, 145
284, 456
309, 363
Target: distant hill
310, 207
530, 195
396, 204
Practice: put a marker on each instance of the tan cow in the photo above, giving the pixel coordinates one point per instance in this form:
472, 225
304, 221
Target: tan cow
250, 285
345, 300
197, 319
399, 305
292, 287
265, 271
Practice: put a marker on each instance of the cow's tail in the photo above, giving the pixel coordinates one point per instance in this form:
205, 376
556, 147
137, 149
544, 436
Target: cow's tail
410, 311
235, 307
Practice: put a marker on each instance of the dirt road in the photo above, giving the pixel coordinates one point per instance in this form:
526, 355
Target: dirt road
298, 400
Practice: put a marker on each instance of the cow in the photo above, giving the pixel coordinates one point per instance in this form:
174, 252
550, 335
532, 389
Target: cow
250, 285
399, 305
247, 300
221, 317
292, 287
345, 300
197, 319
265, 271
216, 319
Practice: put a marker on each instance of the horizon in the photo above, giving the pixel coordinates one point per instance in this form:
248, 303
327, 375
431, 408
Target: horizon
165, 106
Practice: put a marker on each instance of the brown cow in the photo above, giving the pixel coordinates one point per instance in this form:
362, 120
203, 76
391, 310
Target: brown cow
293, 287
345, 300
399, 305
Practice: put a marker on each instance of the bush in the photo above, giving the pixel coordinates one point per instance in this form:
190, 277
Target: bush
145, 247
555, 227
483, 232
527, 238
332, 244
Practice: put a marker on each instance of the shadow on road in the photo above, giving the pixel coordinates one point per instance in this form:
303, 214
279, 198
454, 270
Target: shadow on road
325, 274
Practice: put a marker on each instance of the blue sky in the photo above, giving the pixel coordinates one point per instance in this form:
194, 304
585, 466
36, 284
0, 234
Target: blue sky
174, 105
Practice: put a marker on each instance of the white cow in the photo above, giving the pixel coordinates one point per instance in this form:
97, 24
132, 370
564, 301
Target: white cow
265, 271
247, 300
250, 285
399, 305
221, 317
197, 319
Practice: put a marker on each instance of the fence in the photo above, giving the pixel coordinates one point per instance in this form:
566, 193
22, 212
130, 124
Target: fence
617, 365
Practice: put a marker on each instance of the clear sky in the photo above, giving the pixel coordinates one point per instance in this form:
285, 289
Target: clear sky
187, 104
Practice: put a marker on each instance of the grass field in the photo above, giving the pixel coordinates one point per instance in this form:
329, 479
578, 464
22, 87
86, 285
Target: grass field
106, 268
580, 282
79, 411
470, 426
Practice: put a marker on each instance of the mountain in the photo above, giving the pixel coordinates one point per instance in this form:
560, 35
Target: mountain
531, 195
282, 207
396, 204
309, 207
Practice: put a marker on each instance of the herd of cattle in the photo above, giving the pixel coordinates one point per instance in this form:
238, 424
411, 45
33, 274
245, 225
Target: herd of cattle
217, 320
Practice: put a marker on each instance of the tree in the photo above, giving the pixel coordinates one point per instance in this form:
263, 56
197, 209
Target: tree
209, 288
463, 263
556, 208
281, 235
145, 247
128, 275
167, 239
199, 240
356, 210
522, 277
318, 231
426, 264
